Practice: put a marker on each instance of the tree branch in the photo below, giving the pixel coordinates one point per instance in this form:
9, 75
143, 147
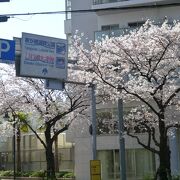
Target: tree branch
171, 97
143, 145
30, 127
154, 137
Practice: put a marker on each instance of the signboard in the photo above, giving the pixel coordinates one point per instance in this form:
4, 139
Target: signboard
95, 169
7, 51
4, 0
43, 57
54, 84
17, 45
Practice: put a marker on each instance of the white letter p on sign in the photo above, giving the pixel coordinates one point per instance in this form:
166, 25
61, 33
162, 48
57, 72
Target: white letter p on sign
4, 46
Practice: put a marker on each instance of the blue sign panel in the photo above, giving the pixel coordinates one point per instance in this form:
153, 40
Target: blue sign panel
7, 50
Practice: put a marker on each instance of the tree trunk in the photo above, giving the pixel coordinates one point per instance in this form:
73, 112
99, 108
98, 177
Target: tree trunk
49, 155
50, 163
164, 170
56, 154
18, 140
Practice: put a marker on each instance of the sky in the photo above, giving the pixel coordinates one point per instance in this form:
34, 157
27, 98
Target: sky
48, 25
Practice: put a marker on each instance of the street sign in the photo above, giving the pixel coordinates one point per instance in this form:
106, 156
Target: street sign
4, 18
7, 50
54, 84
95, 169
4, 0
43, 57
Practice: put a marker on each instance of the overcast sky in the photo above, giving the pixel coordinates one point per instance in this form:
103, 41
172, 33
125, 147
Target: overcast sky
48, 25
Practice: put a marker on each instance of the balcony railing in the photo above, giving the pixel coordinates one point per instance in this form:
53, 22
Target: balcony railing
99, 35
95, 2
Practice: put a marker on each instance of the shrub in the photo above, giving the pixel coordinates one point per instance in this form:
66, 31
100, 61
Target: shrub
23, 174
19, 174
68, 175
6, 173
61, 174
148, 177
37, 174
176, 177
26, 174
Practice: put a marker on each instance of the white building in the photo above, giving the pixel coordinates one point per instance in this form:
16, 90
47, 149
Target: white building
112, 18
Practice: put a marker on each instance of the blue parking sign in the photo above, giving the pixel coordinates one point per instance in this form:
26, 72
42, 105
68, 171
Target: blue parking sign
7, 50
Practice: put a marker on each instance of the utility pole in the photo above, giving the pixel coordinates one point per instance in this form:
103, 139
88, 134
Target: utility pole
122, 154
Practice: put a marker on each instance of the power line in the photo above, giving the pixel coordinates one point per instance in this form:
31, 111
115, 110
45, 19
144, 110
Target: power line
92, 10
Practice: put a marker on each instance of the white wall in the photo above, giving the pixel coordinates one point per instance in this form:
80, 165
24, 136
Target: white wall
131, 3
83, 151
90, 22
84, 22
83, 155
124, 17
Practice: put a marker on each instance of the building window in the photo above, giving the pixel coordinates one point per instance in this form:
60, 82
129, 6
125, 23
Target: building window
139, 163
106, 1
136, 24
110, 27
108, 31
106, 121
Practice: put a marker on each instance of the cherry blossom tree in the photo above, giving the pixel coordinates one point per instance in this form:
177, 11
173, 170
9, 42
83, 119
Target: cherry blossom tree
141, 67
53, 111
57, 111
11, 107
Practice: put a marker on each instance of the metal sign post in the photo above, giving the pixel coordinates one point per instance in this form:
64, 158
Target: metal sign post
93, 110
121, 141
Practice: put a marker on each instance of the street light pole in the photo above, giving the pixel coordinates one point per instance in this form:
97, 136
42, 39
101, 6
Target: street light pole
14, 146
93, 113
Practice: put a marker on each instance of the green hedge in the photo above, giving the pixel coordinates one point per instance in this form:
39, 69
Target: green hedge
61, 174
65, 174
37, 174
22, 174
6, 173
